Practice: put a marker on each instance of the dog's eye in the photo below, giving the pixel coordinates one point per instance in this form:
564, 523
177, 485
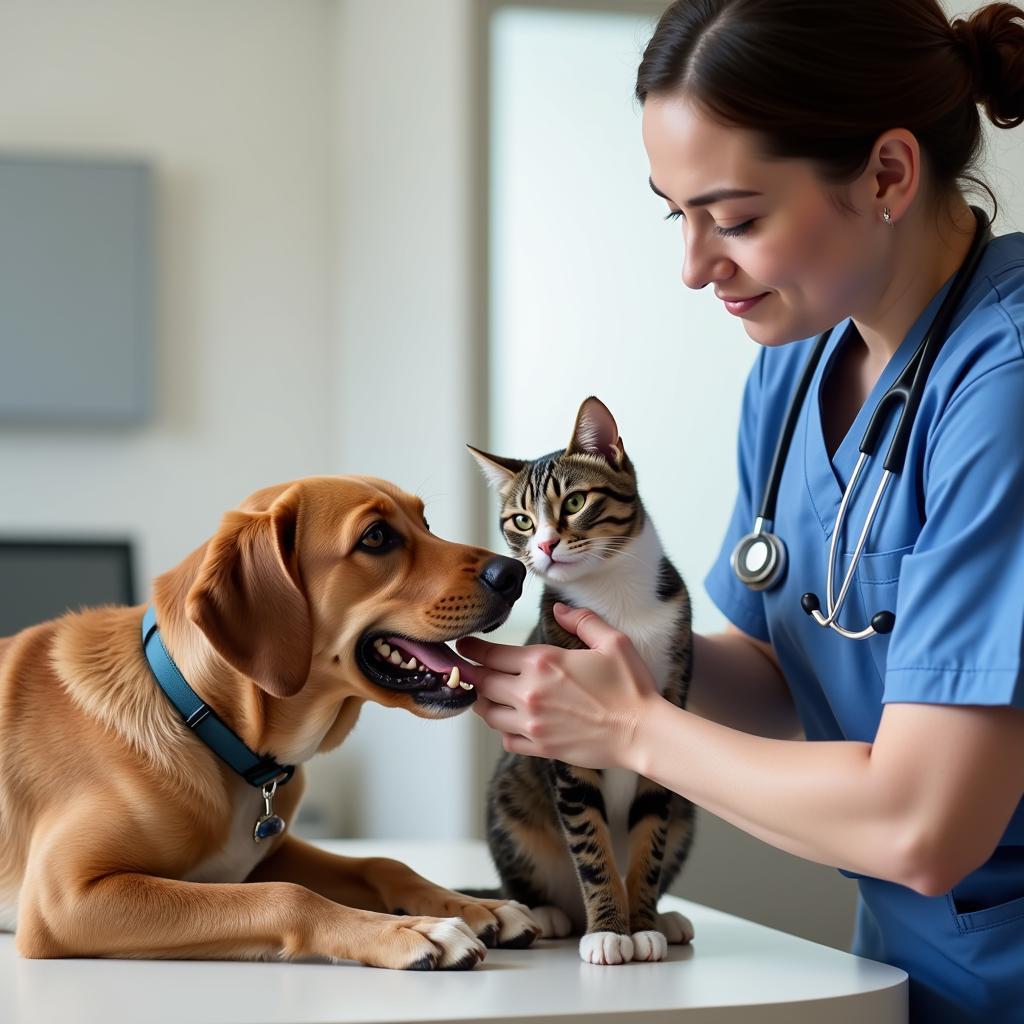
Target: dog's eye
378, 537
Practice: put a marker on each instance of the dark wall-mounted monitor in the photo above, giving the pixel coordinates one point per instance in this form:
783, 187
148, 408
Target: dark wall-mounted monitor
42, 578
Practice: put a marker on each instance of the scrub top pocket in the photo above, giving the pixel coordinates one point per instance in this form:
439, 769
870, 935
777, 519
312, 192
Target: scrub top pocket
878, 576
993, 895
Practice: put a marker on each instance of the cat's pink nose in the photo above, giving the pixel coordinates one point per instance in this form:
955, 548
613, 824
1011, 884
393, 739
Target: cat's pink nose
547, 546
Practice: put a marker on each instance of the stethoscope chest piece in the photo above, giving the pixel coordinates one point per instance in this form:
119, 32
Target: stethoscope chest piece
759, 559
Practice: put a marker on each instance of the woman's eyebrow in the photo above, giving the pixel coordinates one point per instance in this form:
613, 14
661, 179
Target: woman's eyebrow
709, 197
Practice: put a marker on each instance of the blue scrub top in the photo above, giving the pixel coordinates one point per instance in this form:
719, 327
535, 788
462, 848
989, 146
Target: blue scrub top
946, 554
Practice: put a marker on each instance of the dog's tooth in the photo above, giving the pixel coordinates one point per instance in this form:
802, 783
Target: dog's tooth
384, 649
395, 658
454, 679
465, 685
411, 663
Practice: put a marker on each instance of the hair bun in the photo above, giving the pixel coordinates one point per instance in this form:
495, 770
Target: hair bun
992, 41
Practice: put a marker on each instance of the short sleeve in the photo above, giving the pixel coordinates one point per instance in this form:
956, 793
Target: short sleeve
960, 605
743, 607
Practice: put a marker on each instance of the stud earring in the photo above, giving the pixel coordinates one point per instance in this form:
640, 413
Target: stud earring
887, 216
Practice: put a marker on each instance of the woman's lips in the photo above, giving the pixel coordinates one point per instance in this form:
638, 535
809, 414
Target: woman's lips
740, 306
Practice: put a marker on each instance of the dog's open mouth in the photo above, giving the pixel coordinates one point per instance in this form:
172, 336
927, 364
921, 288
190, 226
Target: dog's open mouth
431, 673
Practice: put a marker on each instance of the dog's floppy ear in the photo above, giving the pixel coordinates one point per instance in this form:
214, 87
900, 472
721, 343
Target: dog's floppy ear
248, 598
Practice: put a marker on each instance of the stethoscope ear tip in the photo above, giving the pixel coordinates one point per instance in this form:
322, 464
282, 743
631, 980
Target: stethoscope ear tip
882, 622
810, 603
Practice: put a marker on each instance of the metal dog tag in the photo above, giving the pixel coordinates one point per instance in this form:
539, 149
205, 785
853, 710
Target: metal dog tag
268, 824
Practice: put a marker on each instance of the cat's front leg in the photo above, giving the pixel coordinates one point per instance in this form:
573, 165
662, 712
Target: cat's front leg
649, 821
581, 809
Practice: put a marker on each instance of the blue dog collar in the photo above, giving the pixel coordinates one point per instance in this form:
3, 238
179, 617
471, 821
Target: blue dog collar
202, 720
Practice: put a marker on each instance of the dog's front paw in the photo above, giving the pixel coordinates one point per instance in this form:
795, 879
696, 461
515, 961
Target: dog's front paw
503, 923
517, 927
606, 948
442, 944
675, 927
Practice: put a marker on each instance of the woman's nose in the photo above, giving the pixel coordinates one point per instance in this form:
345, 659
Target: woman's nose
703, 263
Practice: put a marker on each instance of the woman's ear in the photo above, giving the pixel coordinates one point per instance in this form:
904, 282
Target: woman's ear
248, 598
893, 173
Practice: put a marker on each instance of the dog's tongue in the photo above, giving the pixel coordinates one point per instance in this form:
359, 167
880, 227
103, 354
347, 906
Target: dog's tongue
438, 658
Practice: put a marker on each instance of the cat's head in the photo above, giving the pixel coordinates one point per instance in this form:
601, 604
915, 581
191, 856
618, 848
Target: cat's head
567, 514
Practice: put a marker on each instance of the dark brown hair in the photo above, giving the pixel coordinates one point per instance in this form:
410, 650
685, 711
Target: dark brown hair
823, 79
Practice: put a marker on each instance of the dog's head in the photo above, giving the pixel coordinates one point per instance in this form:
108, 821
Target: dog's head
340, 579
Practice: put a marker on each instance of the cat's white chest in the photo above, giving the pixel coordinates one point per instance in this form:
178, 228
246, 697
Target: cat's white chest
652, 629
654, 645
627, 600
235, 861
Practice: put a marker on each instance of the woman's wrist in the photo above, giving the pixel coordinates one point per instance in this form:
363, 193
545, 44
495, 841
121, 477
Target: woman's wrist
643, 751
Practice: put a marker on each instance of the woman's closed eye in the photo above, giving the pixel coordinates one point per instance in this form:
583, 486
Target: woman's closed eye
730, 232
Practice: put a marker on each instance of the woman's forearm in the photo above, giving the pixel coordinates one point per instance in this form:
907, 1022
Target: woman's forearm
820, 801
735, 682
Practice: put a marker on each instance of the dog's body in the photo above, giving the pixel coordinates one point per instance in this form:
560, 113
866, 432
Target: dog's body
122, 834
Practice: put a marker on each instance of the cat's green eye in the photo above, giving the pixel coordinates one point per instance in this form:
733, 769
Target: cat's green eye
522, 522
574, 502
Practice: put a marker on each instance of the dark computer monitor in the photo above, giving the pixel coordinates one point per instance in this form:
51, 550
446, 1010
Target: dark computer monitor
41, 579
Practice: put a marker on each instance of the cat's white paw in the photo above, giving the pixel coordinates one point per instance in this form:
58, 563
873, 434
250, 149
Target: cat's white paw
675, 927
606, 948
554, 922
649, 946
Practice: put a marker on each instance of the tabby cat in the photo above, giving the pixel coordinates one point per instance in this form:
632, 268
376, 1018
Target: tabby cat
591, 851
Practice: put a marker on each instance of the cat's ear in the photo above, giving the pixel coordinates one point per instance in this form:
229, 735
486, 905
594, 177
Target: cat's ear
596, 433
500, 472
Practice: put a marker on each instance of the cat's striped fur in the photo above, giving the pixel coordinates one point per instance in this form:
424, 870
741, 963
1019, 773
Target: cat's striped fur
585, 848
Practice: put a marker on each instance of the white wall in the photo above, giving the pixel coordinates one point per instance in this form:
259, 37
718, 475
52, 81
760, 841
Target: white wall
403, 182
230, 102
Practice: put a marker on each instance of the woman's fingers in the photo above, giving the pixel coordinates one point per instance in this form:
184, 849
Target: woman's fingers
591, 629
503, 657
497, 688
582, 622
497, 716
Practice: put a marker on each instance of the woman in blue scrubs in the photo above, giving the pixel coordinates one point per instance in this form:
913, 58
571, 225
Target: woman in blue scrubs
814, 153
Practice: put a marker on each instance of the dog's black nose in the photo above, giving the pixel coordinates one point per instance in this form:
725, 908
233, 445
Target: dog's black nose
504, 575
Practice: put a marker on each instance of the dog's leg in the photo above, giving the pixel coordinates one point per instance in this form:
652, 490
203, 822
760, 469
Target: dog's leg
142, 916
388, 886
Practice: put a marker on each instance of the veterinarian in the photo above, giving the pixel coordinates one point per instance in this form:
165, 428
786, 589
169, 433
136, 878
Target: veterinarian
815, 154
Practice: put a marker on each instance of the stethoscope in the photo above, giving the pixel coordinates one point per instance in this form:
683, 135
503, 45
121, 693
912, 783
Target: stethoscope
759, 559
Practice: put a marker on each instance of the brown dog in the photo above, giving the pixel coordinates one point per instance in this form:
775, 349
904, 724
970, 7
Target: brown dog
122, 834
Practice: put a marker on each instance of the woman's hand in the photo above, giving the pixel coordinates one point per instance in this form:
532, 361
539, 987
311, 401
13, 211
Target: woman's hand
581, 706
